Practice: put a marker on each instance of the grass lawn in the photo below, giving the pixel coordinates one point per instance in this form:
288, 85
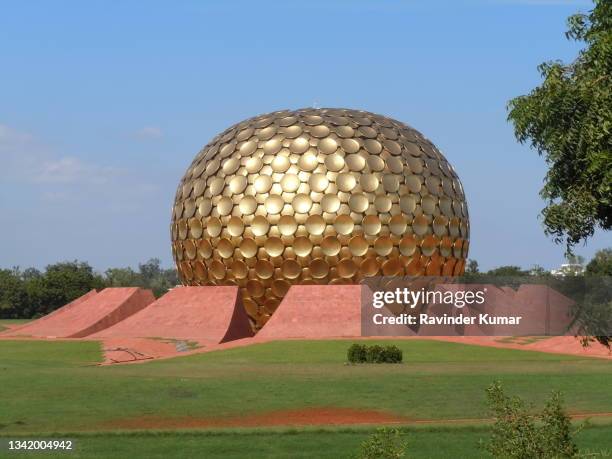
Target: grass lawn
428, 442
56, 387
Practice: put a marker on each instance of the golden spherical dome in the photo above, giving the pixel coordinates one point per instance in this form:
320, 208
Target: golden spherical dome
316, 196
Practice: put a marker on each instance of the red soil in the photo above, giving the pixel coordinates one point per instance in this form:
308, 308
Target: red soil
567, 345
328, 416
296, 417
126, 350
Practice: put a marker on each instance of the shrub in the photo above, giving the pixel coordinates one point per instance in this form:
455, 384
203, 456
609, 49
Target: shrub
384, 444
392, 354
374, 354
519, 434
361, 353
357, 353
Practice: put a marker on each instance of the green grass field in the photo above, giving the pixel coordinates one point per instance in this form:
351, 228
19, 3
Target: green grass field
56, 388
425, 443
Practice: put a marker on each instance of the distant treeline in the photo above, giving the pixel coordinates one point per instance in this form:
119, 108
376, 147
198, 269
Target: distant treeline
599, 265
33, 293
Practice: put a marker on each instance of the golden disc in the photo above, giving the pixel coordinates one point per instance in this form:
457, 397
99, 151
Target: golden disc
274, 246
344, 224
248, 248
287, 225
264, 269
358, 246
330, 246
315, 225
319, 268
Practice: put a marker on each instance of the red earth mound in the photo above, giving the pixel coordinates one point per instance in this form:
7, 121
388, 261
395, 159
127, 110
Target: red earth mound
14, 328
88, 314
207, 315
315, 312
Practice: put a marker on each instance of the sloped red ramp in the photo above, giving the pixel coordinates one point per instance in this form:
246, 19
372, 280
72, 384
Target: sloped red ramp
316, 311
13, 331
88, 314
212, 314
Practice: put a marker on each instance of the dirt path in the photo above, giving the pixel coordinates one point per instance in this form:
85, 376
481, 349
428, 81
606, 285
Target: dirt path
567, 345
295, 417
328, 416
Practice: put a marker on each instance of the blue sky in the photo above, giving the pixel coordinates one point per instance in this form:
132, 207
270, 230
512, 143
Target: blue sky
104, 104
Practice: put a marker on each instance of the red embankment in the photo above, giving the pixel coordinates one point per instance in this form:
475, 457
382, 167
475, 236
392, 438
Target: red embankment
204, 314
316, 311
91, 315
79, 300
549, 309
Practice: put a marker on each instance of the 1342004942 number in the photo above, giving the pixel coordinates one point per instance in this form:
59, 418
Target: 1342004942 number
38, 445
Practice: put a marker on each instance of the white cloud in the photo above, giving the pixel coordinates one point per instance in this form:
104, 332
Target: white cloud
68, 170
24, 160
149, 133
10, 137
41, 174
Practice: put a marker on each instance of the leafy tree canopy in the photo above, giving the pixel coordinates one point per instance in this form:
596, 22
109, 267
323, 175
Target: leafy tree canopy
31, 293
601, 264
472, 267
508, 271
568, 120
519, 433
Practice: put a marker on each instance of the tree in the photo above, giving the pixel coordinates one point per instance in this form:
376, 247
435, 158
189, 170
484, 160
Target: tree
508, 271
538, 271
472, 267
64, 282
32, 293
385, 443
568, 120
31, 273
123, 277
517, 433
13, 296
601, 264
157, 279
150, 270
149, 275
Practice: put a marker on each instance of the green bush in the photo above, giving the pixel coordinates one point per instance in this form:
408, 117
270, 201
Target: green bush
392, 354
519, 434
357, 353
374, 354
361, 353
384, 444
